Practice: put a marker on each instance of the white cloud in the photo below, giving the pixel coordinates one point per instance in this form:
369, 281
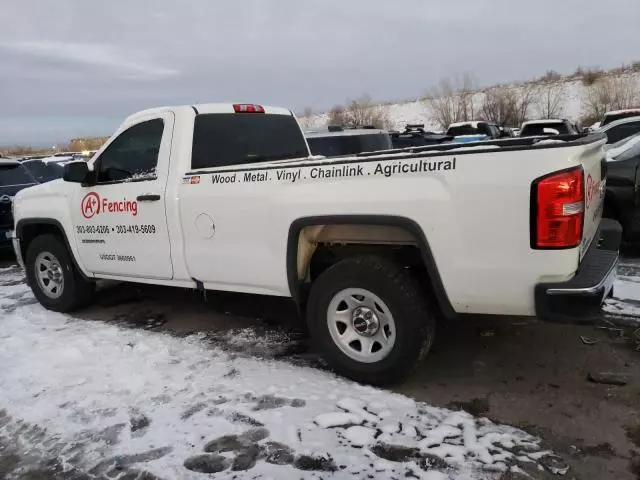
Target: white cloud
94, 55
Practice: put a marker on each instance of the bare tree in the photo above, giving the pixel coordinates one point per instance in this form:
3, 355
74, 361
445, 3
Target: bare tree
506, 105
550, 101
525, 98
452, 101
359, 113
336, 116
499, 105
610, 93
306, 118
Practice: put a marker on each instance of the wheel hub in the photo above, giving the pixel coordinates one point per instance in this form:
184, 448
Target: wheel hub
49, 275
361, 325
365, 321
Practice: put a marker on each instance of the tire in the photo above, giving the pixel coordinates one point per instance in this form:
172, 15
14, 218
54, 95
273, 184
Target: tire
409, 306
73, 292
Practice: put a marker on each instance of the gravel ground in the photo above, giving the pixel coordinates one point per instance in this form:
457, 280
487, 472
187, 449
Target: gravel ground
530, 375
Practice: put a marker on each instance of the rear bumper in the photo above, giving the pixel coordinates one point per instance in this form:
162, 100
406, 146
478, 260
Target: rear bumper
580, 299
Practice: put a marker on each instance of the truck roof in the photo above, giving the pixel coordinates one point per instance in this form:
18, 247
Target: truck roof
205, 108
625, 110
5, 162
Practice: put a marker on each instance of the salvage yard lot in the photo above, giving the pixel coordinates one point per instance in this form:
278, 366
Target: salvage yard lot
150, 378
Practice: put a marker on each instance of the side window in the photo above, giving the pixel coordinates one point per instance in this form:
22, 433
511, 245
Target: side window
133, 155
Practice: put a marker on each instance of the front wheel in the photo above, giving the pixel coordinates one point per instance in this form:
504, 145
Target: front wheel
54, 279
370, 319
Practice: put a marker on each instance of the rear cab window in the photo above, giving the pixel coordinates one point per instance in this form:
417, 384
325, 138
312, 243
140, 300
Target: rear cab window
466, 129
537, 129
222, 139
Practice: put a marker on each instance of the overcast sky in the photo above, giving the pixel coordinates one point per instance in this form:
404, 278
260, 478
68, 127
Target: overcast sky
77, 67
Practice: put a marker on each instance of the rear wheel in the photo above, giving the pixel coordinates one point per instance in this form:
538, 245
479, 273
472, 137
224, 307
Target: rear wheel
54, 279
370, 319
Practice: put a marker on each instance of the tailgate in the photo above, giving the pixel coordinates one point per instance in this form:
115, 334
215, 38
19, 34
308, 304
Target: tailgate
595, 166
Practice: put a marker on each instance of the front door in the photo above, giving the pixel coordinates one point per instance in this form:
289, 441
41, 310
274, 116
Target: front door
120, 222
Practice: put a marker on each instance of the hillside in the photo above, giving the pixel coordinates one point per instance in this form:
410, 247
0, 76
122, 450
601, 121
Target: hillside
582, 97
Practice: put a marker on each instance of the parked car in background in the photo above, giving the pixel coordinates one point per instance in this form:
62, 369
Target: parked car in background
13, 178
622, 198
46, 169
614, 149
621, 129
490, 130
615, 115
414, 135
337, 141
553, 126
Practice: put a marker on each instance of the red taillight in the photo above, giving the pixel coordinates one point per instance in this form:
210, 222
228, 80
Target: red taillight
559, 210
248, 108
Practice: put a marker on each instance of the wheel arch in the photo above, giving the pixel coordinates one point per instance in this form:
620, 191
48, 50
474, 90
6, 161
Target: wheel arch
29, 228
399, 223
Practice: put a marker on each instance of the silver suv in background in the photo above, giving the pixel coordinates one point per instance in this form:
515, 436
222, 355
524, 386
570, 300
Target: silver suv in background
621, 129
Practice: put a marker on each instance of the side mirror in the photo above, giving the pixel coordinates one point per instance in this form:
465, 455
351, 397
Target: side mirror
76, 172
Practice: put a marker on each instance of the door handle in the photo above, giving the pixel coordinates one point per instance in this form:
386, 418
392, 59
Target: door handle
148, 198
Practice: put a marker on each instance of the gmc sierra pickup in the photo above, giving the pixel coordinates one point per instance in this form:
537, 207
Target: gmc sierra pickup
373, 248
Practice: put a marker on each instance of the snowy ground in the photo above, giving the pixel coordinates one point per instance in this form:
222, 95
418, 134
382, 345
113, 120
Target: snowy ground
626, 291
94, 400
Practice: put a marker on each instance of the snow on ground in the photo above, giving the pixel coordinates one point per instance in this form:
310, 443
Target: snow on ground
626, 291
111, 401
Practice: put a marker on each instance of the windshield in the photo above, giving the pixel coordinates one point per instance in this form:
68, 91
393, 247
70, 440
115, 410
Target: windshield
44, 172
242, 138
14, 175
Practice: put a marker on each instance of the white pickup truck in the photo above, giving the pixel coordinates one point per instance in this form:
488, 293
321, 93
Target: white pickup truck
372, 248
